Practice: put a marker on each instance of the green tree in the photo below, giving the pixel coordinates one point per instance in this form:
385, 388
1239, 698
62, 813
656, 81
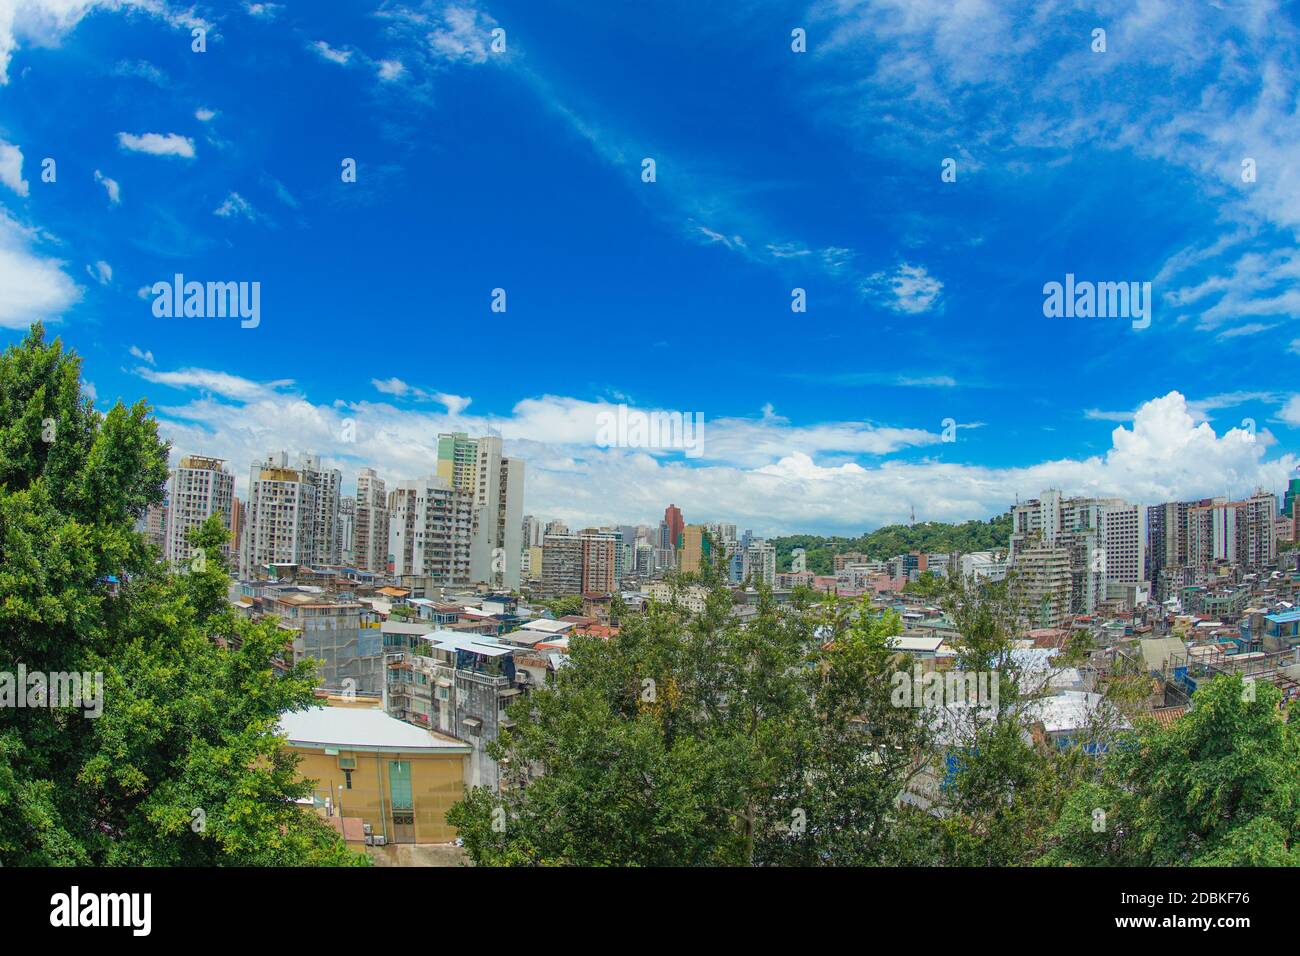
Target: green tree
1217, 788
182, 764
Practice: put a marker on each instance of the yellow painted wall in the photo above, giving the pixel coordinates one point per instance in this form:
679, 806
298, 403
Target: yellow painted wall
437, 781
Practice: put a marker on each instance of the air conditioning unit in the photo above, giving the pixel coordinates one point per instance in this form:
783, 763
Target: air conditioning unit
365, 827
377, 840
370, 841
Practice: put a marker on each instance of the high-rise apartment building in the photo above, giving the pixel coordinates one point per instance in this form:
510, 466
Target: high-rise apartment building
674, 526
326, 533
1233, 532
1124, 530
1042, 582
370, 528
1166, 537
1104, 539
281, 522
431, 526
758, 562
600, 560
562, 564
476, 465
693, 548
532, 532
196, 489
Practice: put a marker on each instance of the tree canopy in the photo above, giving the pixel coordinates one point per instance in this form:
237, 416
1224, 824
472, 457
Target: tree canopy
182, 764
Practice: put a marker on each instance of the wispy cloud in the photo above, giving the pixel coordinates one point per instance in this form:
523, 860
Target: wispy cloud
111, 187
327, 52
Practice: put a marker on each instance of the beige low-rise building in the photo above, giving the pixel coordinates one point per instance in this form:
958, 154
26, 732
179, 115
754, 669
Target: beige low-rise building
399, 779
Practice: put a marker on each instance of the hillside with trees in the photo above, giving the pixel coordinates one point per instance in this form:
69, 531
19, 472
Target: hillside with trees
930, 536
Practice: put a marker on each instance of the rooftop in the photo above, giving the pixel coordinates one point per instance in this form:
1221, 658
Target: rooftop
351, 728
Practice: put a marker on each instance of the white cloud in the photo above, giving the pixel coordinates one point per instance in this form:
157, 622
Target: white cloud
795, 480
263, 11
400, 389
141, 354
11, 168
217, 383
33, 287
158, 144
908, 289
204, 115
464, 34
327, 52
110, 186
235, 206
390, 70
101, 272
44, 23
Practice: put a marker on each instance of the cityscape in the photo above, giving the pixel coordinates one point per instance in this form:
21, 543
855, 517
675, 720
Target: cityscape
440, 437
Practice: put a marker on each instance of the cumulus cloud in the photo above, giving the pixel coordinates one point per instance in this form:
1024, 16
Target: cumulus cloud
463, 34
908, 289
762, 472
158, 144
35, 286
390, 70
204, 115
44, 23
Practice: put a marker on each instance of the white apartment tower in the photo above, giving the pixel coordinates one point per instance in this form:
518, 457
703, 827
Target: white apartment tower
430, 530
196, 489
281, 521
497, 484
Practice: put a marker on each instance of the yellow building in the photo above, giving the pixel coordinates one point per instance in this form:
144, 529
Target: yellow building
694, 547
399, 778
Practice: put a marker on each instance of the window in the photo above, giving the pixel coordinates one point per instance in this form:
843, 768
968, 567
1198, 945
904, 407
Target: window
347, 779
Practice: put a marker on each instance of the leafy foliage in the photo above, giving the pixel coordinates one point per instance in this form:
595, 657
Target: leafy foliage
183, 765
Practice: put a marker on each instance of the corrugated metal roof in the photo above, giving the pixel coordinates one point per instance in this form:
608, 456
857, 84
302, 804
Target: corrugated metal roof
357, 728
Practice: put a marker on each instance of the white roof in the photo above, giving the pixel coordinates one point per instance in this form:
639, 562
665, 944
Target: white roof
549, 626
474, 643
521, 636
404, 627
1074, 710
355, 728
903, 643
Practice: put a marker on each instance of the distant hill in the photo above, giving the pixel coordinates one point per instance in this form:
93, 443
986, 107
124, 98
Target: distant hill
895, 539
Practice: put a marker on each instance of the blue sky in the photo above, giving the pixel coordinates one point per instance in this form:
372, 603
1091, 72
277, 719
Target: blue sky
775, 170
